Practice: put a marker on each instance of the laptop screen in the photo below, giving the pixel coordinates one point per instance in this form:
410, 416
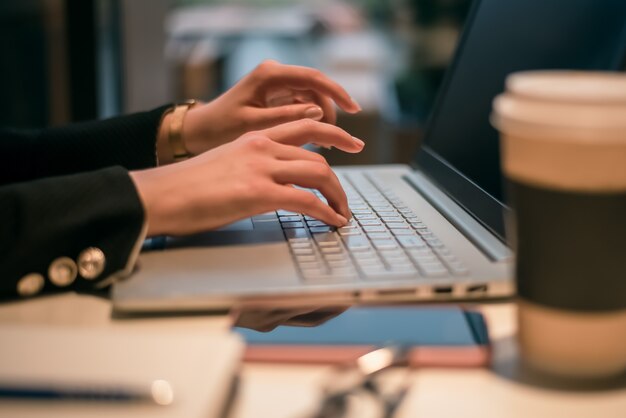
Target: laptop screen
460, 151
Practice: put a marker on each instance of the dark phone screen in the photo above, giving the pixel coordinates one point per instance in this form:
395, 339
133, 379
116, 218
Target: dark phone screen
378, 326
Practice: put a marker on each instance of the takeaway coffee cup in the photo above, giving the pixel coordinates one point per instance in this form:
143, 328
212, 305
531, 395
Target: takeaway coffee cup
563, 153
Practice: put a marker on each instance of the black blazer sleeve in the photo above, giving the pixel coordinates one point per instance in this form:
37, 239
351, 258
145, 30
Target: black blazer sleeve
65, 192
127, 141
57, 218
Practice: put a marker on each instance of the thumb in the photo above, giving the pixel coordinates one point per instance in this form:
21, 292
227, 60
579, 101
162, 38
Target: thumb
288, 113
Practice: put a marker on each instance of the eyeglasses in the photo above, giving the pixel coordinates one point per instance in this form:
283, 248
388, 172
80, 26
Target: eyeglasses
362, 388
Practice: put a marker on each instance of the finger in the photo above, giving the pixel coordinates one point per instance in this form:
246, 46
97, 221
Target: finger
286, 97
327, 105
274, 75
301, 201
272, 116
306, 131
313, 175
291, 153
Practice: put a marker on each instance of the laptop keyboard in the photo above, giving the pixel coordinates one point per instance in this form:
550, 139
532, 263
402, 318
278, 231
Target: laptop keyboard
384, 241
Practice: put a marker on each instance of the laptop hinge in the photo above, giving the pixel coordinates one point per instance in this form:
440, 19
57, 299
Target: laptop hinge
488, 243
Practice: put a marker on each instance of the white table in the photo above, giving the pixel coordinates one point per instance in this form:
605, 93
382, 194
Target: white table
277, 391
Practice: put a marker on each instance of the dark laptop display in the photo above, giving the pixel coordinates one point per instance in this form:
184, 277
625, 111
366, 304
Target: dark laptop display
461, 152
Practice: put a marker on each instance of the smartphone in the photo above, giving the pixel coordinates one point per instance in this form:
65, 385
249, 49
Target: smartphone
435, 336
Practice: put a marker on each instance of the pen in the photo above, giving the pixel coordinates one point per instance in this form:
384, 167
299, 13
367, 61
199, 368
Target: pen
158, 392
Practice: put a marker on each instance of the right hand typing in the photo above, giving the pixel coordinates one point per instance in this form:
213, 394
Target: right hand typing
254, 174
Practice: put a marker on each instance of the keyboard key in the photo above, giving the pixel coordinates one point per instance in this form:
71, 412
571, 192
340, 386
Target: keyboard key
434, 242
290, 218
397, 260
306, 258
370, 270
331, 250
286, 213
369, 229
267, 225
364, 217
343, 271
379, 235
381, 244
393, 252
356, 243
397, 232
412, 219
352, 231
403, 268
448, 258
387, 213
335, 257
369, 262
315, 274
287, 225
370, 222
297, 235
421, 252
391, 218
362, 212
443, 251
306, 243
270, 216
398, 226
316, 223
426, 259
339, 263
320, 229
364, 254
326, 237
303, 251
409, 241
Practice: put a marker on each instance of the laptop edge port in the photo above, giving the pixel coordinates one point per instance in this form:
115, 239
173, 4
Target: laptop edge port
477, 289
442, 290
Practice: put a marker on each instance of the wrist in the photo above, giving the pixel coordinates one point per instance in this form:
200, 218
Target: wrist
174, 134
192, 131
152, 188
163, 152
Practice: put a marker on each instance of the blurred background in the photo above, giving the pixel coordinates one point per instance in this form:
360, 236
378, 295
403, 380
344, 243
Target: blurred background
73, 60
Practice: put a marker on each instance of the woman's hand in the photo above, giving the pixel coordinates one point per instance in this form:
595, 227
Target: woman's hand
251, 175
270, 95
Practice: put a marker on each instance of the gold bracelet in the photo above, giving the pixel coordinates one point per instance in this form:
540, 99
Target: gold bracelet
175, 134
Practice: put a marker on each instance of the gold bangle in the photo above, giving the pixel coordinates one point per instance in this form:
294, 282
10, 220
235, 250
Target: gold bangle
175, 134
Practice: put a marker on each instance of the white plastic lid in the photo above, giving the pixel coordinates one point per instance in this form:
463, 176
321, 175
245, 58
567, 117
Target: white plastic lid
569, 86
563, 99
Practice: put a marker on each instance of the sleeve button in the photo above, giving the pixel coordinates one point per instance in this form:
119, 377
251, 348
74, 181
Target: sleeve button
62, 271
91, 262
30, 285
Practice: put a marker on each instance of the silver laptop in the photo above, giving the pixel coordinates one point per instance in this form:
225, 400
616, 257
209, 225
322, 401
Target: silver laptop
430, 231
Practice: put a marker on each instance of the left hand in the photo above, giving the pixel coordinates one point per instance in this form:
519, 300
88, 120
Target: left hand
272, 94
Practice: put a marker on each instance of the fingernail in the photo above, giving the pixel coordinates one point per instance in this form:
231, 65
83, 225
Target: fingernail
314, 112
358, 141
342, 220
358, 106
